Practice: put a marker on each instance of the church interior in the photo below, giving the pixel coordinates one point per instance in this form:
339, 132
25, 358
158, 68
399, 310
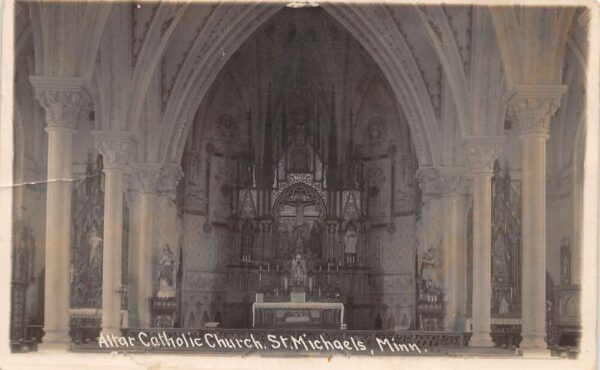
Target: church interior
332, 168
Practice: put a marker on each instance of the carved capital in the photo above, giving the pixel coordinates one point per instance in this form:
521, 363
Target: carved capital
170, 176
144, 177
429, 181
116, 148
64, 100
452, 181
481, 151
532, 106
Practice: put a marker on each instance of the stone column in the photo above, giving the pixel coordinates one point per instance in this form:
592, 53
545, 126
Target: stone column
454, 260
532, 107
481, 153
143, 181
115, 147
65, 104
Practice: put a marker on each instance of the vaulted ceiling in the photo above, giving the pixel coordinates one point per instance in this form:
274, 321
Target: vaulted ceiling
309, 60
442, 64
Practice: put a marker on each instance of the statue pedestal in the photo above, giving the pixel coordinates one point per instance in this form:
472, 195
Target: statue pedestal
164, 312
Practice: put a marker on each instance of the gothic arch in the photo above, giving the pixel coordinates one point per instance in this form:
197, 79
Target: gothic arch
520, 37
279, 201
80, 51
367, 25
446, 48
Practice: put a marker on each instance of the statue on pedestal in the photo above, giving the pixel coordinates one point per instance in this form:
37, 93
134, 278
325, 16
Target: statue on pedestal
95, 243
165, 277
299, 271
503, 307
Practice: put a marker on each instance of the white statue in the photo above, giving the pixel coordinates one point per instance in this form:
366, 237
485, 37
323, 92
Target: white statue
95, 243
350, 240
166, 264
428, 266
503, 308
298, 271
285, 282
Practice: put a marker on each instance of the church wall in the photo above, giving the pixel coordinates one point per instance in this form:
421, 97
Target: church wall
399, 257
204, 283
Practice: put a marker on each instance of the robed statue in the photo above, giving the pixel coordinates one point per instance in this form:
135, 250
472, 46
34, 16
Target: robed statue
165, 277
95, 243
299, 271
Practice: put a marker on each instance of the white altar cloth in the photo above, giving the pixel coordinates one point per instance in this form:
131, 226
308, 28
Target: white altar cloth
297, 306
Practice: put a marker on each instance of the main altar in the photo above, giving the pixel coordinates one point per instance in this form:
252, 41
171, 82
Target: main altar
293, 233
297, 311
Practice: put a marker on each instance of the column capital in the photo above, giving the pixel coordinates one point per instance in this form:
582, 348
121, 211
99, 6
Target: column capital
170, 175
532, 106
64, 100
144, 177
452, 181
441, 181
481, 151
116, 148
429, 180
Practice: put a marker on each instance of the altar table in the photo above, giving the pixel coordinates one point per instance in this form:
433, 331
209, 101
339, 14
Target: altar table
294, 314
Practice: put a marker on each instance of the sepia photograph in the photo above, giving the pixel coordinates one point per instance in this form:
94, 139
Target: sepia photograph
299, 184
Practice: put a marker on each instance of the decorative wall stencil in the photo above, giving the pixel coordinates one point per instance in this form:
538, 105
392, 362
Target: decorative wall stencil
379, 185
222, 175
227, 128
87, 231
198, 246
376, 130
